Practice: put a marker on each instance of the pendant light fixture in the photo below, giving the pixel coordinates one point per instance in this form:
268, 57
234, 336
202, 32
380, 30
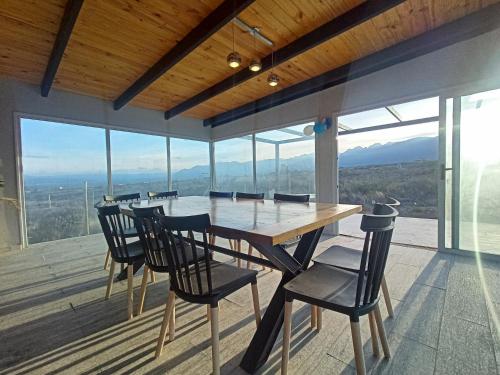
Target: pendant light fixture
273, 80
255, 64
234, 58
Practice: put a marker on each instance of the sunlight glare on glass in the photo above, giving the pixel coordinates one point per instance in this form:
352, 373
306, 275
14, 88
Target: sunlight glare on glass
481, 127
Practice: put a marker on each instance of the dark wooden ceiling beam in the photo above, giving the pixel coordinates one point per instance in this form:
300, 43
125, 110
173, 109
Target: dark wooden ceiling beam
67, 23
336, 26
470, 26
222, 15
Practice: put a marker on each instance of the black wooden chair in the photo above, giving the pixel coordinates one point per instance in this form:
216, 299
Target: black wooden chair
111, 220
351, 293
297, 198
121, 198
228, 195
128, 224
291, 198
162, 194
220, 194
154, 252
250, 196
205, 282
349, 260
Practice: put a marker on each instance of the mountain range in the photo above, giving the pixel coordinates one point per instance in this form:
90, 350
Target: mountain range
420, 148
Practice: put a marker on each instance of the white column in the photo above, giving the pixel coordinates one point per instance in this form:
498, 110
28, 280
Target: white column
327, 170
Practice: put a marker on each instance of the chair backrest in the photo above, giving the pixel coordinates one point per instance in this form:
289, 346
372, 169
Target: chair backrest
300, 198
393, 202
194, 281
258, 196
121, 198
381, 209
162, 194
113, 223
149, 231
378, 229
220, 194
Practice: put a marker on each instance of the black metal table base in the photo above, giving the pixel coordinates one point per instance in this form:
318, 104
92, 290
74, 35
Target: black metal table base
264, 338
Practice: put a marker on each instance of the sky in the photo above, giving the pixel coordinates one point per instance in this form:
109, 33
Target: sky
53, 148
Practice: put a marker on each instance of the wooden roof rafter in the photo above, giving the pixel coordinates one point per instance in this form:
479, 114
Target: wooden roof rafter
467, 27
357, 15
221, 16
68, 21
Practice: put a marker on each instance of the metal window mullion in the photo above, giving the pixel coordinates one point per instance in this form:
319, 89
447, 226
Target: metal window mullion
455, 208
108, 161
442, 175
211, 152
254, 163
169, 165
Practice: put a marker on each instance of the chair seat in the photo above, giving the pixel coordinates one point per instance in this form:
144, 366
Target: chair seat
134, 250
325, 286
341, 257
226, 279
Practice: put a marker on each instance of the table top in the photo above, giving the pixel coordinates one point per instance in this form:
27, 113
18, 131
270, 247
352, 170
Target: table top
262, 221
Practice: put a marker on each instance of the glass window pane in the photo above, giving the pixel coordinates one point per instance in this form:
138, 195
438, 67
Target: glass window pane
233, 165
190, 163
285, 165
63, 178
480, 172
398, 162
374, 117
138, 163
418, 109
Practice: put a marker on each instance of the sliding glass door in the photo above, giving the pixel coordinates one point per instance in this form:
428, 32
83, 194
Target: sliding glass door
470, 132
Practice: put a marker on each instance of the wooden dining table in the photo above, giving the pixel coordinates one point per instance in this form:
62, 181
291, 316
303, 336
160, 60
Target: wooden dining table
264, 224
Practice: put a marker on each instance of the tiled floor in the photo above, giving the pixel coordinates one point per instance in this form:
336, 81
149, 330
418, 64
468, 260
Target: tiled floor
54, 319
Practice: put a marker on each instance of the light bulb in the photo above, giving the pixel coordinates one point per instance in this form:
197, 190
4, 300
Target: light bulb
234, 60
255, 65
273, 80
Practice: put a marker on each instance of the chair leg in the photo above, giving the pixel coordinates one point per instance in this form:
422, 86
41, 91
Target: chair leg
387, 297
171, 322
122, 266
130, 291
106, 261
153, 276
144, 284
164, 324
238, 249
250, 251
373, 333
256, 304
319, 318
110, 279
214, 325
358, 348
263, 267
287, 329
314, 316
231, 246
208, 313
381, 332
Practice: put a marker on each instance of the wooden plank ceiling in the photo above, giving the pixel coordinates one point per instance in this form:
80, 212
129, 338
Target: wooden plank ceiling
115, 41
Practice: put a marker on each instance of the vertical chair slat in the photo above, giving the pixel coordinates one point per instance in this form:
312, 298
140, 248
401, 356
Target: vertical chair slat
195, 261
185, 262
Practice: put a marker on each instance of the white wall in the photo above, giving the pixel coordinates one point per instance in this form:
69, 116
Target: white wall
17, 97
